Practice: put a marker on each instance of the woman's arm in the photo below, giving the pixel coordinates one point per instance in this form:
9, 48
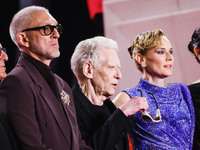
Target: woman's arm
121, 99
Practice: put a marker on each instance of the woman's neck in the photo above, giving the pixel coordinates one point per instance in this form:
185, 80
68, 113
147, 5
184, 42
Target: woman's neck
154, 80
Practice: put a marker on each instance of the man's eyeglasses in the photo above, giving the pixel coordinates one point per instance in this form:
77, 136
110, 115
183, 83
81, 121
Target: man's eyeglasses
2, 50
146, 115
48, 29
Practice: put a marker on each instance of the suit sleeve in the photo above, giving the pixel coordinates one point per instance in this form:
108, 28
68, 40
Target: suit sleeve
18, 94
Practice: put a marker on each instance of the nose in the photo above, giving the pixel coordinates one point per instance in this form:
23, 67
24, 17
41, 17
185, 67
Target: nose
4, 56
169, 57
118, 74
55, 33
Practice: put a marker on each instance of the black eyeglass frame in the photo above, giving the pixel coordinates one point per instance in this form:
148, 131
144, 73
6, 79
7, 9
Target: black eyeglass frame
146, 115
58, 28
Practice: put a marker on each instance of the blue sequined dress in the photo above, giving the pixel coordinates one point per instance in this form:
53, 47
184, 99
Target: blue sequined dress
176, 130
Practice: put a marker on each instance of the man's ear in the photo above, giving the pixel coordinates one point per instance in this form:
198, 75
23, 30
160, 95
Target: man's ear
197, 51
23, 39
88, 70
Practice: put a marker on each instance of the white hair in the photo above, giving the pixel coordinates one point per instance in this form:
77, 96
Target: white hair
89, 51
22, 20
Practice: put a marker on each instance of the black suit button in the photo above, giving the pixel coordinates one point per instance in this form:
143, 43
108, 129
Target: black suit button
47, 125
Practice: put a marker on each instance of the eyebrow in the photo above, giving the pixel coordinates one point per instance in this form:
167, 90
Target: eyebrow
163, 48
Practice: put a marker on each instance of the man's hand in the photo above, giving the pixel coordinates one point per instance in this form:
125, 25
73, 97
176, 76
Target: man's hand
134, 105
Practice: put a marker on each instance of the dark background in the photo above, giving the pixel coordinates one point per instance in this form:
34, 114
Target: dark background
77, 26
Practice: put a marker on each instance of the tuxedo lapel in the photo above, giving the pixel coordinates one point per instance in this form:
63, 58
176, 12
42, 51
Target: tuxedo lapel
48, 96
68, 108
56, 109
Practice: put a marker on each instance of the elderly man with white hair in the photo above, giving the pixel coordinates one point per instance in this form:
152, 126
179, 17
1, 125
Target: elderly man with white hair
96, 66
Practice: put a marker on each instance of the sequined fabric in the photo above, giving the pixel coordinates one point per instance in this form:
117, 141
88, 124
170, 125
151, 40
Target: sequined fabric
176, 130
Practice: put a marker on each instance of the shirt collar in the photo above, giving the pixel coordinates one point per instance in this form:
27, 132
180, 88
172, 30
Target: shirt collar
44, 70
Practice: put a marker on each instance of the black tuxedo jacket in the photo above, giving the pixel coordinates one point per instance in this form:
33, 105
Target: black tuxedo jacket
100, 131
195, 92
7, 140
39, 120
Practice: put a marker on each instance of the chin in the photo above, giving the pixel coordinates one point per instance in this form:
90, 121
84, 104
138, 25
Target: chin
2, 75
111, 93
168, 75
54, 55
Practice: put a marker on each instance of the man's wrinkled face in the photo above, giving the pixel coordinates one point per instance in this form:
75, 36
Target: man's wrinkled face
107, 74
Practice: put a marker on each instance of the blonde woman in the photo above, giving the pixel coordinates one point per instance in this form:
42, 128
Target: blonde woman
168, 123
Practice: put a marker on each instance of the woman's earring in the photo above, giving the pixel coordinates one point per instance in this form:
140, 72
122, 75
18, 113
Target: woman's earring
143, 65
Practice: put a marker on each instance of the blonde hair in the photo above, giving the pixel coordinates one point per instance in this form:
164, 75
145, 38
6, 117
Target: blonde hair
144, 42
